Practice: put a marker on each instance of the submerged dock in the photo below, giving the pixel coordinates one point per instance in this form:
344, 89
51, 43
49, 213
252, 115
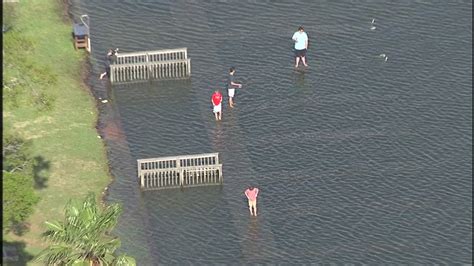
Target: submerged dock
151, 65
180, 171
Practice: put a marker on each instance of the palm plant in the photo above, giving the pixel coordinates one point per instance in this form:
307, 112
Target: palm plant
83, 238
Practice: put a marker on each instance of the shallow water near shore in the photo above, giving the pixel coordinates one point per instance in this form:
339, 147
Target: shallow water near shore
358, 159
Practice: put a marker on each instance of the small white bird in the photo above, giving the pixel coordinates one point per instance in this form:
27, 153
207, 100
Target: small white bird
104, 101
99, 137
373, 28
373, 20
386, 58
382, 55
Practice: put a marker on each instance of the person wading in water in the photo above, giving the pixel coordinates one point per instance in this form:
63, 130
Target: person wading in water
252, 193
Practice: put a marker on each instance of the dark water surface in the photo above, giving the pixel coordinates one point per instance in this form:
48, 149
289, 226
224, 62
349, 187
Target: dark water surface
358, 159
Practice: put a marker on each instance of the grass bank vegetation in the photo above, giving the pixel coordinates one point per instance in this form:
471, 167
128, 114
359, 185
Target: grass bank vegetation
51, 152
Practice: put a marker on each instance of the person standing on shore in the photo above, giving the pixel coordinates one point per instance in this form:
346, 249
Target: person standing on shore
231, 85
252, 193
301, 45
216, 100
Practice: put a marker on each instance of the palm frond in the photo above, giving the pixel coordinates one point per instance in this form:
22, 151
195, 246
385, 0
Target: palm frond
58, 254
84, 234
124, 260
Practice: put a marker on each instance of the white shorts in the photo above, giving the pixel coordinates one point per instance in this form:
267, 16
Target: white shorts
231, 92
217, 108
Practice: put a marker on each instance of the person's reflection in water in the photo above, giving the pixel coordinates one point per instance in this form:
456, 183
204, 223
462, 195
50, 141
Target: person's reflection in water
252, 246
218, 137
299, 79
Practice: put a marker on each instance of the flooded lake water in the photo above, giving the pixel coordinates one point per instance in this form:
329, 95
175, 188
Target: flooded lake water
358, 159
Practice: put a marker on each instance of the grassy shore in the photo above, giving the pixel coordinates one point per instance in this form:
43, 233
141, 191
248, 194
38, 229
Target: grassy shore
64, 136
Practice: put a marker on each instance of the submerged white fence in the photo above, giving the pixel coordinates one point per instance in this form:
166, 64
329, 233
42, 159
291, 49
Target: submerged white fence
161, 64
180, 171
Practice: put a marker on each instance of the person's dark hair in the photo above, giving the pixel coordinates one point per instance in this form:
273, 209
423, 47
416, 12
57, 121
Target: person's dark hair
250, 187
232, 69
300, 28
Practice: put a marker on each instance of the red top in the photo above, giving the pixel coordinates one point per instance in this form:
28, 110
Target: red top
216, 98
251, 194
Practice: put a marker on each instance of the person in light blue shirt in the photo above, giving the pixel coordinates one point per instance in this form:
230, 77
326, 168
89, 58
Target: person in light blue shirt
301, 44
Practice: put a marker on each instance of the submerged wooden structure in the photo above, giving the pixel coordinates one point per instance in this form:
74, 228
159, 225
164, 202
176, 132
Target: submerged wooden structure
160, 64
180, 171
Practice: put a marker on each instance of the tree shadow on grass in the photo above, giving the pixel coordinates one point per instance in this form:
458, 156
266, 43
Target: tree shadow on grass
20, 229
40, 168
14, 253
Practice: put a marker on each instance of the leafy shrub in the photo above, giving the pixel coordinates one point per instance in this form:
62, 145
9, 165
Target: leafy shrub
18, 182
25, 81
18, 200
15, 154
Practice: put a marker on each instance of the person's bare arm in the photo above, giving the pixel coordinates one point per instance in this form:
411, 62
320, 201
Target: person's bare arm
245, 192
236, 84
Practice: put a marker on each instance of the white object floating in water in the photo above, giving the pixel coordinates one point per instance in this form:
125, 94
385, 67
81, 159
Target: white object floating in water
373, 20
382, 55
104, 101
373, 28
386, 58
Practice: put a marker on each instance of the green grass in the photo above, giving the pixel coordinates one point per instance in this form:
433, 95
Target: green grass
64, 136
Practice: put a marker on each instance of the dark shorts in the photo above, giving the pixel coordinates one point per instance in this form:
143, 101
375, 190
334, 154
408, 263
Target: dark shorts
300, 53
107, 69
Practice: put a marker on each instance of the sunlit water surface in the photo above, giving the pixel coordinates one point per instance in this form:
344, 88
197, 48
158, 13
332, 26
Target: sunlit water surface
358, 159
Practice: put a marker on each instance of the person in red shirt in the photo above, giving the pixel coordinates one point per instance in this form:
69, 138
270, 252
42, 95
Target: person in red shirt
252, 193
216, 100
